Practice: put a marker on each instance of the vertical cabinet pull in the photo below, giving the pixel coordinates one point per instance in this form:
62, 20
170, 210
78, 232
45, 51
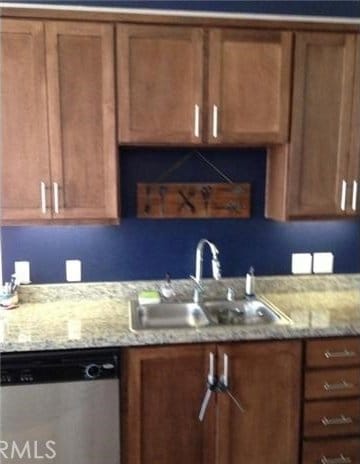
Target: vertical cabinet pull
56, 197
215, 121
354, 196
225, 376
343, 195
43, 197
210, 388
339, 460
197, 121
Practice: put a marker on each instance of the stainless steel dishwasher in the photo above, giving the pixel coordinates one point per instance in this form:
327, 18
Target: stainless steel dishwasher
60, 407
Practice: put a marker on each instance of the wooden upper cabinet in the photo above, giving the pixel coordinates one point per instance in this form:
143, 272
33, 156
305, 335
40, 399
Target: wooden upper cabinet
309, 177
160, 84
266, 379
81, 93
353, 205
162, 393
24, 130
185, 85
249, 86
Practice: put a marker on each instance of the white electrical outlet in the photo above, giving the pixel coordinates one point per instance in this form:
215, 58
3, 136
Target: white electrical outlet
74, 329
301, 263
22, 271
73, 270
323, 263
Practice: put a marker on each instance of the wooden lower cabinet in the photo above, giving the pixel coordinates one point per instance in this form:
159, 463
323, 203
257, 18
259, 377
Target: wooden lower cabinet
164, 388
331, 427
265, 377
163, 392
332, 451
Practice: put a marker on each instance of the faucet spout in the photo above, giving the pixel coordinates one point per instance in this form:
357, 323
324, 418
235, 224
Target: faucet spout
216, 268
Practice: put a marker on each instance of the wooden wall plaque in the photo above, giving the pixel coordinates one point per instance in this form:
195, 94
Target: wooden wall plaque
193, 200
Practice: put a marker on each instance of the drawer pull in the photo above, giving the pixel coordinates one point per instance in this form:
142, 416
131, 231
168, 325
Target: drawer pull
341, 420
340, 460
343, 385
339, 354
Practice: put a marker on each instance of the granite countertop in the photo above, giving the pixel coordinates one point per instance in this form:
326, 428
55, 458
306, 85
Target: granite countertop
103, 322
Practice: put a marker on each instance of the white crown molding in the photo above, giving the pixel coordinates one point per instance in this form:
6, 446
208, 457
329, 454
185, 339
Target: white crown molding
187, 13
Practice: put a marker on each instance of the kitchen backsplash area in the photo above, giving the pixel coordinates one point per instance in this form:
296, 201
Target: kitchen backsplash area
142, 249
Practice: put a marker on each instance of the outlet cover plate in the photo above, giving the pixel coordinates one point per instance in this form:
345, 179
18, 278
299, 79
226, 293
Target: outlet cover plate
301, 263
73, 270
323, 263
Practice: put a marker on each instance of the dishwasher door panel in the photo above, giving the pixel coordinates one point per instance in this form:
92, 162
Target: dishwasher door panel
81, 419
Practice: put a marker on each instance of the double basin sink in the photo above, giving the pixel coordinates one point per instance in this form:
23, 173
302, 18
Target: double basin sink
244, 312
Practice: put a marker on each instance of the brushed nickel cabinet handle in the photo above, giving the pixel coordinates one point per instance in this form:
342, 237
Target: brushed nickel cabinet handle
211, 387
43, 196
343, 195
343, 385
339, 354
215, 121
225, 376
197, 121
224, 384
339, 460
354, 196
56, 197
340, 420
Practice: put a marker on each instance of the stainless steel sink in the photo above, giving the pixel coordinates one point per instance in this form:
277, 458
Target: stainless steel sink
250, 311
166, 316
246, 312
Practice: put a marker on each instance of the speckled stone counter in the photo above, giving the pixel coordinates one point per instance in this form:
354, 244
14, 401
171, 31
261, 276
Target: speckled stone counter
96, 315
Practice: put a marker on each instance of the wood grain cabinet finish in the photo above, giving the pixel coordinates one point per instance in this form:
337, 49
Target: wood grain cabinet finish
187, 85
81, 89
163, 390
329, 418
160, 84
25, 166
333, 352
334, 451
353, 203
309, 177
165, 387
58, 122
331, 425
265, 378
249, 86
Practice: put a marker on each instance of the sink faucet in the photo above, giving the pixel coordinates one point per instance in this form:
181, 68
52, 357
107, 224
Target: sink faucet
216, 268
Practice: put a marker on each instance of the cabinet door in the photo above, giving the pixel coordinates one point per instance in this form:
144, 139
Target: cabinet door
24, 130
322, 104
162, 392
353, 205
249, 86
265, 377
80, 71
160, 84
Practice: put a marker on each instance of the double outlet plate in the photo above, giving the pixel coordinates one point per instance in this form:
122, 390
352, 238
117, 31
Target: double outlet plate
317, 263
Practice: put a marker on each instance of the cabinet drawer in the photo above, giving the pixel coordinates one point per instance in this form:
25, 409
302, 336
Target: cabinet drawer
332, 418
333, 352
343, 451
332, 383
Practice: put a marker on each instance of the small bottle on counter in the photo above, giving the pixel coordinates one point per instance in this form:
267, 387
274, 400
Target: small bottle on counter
250, 283
167, 289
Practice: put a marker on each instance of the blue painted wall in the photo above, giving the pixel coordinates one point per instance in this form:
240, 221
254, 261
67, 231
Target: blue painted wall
146, 249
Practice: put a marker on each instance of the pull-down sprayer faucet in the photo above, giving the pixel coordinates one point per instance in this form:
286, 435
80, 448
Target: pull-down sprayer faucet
216, 268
